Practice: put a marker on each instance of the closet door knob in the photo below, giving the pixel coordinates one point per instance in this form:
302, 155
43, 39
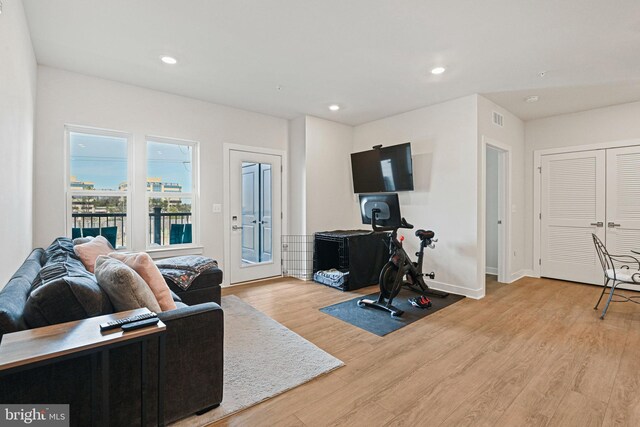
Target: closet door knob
598, 224
611, 225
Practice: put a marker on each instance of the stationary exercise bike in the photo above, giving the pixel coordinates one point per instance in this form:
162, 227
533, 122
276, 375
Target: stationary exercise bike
399, 271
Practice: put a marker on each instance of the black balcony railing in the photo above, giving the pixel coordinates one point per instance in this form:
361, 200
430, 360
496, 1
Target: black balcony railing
159, 224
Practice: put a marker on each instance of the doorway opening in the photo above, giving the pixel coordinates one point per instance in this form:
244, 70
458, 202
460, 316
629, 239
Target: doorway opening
497, 214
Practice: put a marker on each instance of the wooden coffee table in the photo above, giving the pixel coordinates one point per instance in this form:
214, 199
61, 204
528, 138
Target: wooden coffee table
43, 346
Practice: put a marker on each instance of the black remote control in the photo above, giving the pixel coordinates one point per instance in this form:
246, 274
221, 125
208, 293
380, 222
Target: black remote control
114, 324
141, 324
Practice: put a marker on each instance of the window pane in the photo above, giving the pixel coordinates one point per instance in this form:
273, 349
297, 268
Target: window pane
100, 215
256, 213
169, 167
170, 221
98, 162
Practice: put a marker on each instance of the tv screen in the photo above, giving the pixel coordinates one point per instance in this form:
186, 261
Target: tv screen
396, 167
385, 169
367, 173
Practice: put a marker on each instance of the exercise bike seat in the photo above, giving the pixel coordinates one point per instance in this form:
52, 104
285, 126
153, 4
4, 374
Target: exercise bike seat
425, 234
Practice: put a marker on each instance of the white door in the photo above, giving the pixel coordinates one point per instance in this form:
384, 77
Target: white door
256, 220
572, 208
623, 200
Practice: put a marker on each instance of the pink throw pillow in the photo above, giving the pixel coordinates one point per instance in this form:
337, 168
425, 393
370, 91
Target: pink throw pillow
90, 251
142, 264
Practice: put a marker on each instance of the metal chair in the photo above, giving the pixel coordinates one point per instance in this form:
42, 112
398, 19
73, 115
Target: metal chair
623, 274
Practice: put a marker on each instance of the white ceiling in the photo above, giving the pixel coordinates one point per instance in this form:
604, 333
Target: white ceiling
370, 56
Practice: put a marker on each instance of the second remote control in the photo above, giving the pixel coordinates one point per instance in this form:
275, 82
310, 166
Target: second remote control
118, 323
140, 324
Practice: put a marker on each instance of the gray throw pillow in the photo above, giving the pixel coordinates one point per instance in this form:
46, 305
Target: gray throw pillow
125, 288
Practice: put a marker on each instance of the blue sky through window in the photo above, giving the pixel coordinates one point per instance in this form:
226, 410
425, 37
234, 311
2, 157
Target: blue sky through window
171, 163
102, 161
98, 159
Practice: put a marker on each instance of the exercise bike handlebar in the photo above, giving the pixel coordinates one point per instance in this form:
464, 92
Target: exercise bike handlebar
376, 227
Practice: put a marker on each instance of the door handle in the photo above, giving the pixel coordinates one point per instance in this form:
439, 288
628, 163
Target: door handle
598, 224
611, 225
499, 222
236, 227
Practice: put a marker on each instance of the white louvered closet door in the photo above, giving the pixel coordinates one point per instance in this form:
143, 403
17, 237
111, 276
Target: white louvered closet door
573, 207
623, 200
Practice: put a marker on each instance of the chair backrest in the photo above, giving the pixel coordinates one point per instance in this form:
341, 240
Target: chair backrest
180, 233
109, 233
603, 255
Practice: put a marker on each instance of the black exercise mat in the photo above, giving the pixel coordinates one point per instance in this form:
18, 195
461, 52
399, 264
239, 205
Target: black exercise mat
380, 322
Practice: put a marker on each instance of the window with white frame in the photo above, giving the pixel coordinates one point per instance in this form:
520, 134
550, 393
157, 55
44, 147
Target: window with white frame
171, 192
98, 193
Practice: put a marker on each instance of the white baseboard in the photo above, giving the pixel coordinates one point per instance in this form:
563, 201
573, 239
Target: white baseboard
491, 270
522, 273
455, 289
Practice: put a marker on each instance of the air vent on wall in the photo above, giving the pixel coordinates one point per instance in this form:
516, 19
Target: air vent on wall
498, 119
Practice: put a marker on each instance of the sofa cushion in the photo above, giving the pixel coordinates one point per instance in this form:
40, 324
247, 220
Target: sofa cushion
126, 289
59, 247
143, 265
175, 297
14, 295
67, 292
90, 251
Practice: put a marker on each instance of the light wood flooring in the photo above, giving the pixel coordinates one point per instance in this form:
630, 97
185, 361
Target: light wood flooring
533, 352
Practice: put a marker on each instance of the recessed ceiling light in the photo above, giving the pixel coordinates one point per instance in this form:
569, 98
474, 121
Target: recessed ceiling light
334, 107
437, 70
169, 60
531, 99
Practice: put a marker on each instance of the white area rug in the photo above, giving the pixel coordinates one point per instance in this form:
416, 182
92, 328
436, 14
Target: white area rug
262, 359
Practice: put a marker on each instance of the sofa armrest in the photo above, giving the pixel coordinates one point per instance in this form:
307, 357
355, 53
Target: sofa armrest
193, 310
205, 288
194, 355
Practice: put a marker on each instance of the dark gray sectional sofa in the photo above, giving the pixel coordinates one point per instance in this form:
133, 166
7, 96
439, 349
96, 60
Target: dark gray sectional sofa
194, 347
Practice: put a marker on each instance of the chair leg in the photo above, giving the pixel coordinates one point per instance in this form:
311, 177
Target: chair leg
604, 288
613, 288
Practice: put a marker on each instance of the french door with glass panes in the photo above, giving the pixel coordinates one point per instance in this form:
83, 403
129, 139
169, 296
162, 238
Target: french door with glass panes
256, 219
584, 193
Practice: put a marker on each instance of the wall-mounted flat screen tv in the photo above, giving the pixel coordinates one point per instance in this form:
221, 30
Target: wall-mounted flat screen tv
385, 169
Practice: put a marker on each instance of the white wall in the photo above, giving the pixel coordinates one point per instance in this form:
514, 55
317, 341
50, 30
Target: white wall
69, 98
601, 125
444, 143
297, 177
18, 73
491, 219
329, 190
